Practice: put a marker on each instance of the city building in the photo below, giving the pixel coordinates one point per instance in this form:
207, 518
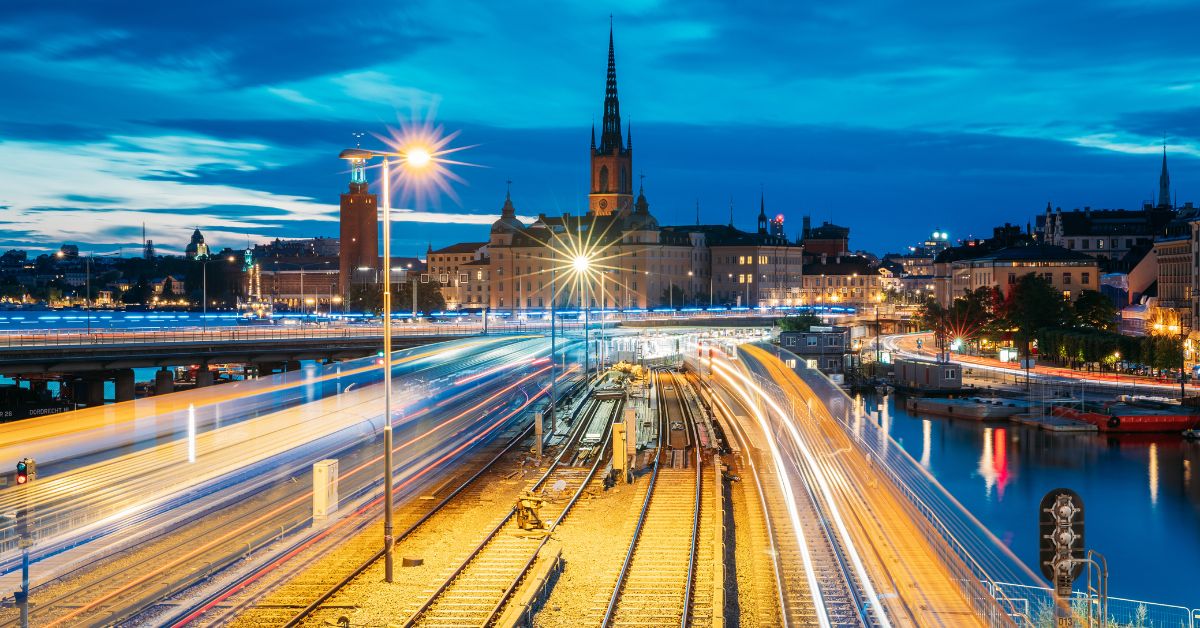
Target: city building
828, 239
196, 247
617, 254
846, 280
1117, 237
1070, 272
1173, 256
358, 257
457, 269
822, 348
306, 247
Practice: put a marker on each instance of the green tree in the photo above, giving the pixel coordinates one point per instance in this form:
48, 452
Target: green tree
800, 322
369, 298
1033, 305
1096, 311
673, 296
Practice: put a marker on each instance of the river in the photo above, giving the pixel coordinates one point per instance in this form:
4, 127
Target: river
1141, 493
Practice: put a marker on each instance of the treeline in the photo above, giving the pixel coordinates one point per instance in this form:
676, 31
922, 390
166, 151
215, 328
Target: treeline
1077, 347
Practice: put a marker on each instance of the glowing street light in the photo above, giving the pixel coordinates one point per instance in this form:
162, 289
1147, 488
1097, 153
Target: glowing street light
419, 155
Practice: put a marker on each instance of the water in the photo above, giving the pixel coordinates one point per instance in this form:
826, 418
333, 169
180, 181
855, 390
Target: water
1141, 493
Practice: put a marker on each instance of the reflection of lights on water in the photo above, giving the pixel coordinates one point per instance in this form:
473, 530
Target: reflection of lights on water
993, 460
926, 429
1153, 473
1187, 473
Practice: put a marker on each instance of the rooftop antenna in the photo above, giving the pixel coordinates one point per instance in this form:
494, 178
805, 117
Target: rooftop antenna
730, 211
697, 212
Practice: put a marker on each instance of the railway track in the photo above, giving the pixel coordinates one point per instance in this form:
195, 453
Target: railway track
657, 582
476, 590
306, 585
839, 599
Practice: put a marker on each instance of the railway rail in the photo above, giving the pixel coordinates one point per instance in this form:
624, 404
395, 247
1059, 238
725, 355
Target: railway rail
475, 591
805, 549
656, 583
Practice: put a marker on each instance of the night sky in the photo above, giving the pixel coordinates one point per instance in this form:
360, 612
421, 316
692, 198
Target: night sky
892, 118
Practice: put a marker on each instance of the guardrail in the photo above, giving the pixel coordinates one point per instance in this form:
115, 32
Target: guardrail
81, 338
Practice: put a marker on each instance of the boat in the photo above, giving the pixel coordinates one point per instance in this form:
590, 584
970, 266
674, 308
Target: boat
1192, 434
1127, 417
975, 408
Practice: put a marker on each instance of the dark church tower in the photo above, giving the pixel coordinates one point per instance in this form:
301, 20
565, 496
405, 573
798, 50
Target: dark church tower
612, 162
359, 218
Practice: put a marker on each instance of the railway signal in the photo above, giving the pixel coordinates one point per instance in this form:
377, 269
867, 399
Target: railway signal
1061, 553
26, 471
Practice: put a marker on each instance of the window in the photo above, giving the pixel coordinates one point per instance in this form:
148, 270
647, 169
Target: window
1114, 243
1085, 278
791, 341
811, 341
1012, 278
1066, 295
951, 374
1083, 244
833, 341
1099, 243
831, 363
1070, 244
1066, 279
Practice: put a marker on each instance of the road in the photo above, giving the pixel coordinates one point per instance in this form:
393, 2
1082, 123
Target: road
905, 345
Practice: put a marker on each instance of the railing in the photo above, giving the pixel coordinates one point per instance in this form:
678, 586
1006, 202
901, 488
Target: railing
970, 545
1121, 611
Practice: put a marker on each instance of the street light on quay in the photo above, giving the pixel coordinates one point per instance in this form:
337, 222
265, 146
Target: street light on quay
418, 160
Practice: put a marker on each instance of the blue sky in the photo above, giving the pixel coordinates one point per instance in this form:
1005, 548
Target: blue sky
890, 117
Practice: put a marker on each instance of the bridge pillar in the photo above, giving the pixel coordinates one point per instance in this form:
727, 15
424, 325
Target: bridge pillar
164, 382
94, 391
125, 385
204, 377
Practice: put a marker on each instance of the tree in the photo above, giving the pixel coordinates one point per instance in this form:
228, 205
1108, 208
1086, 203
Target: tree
1033, 305
369, 298
673, 296
1095, 311
800, 322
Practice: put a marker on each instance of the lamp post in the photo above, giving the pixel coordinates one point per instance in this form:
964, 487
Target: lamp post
415, 159
580, 264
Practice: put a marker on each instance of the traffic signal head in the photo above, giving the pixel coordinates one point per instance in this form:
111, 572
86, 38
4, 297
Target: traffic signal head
26, 471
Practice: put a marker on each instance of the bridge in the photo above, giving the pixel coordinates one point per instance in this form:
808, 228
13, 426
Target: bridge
197, 507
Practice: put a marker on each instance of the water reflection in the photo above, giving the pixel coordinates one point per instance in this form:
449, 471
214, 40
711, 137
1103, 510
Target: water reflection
1143, 508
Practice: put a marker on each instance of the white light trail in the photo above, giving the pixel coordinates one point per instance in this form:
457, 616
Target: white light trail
191, 445
823, 485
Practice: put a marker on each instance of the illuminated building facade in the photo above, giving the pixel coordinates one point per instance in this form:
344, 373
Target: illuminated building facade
359, 232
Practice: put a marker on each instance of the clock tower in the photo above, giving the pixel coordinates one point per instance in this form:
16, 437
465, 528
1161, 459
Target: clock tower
612, 162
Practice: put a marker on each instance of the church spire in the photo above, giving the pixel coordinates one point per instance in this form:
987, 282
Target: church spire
1164, 181
610, 136
762, 212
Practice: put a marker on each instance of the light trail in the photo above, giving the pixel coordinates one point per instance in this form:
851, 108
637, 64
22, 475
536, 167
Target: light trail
789, 498
822, 484
305, 496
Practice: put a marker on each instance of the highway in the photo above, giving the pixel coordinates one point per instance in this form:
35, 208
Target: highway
180, 494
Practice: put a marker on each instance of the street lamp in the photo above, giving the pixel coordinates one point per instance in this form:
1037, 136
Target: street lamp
580, 264
414, 160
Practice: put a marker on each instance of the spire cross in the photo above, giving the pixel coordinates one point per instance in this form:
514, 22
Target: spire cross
508, 191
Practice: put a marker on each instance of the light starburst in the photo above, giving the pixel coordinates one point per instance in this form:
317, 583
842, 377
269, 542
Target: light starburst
425, 150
